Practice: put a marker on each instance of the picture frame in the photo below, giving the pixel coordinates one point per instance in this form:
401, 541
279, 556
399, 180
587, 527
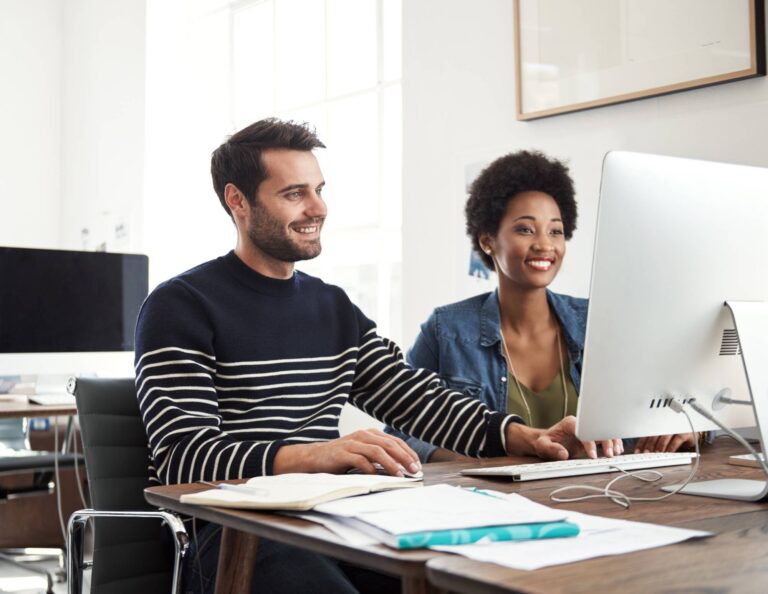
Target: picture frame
573, 55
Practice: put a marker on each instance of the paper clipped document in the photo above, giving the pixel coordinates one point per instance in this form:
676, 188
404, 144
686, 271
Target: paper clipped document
295, 491
598, 537
441, 514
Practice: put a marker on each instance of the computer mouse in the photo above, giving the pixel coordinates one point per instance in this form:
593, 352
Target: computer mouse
380, 470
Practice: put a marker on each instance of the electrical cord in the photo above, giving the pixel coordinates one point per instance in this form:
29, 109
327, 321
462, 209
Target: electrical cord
707, 415
78, 478
621, 498
57, 475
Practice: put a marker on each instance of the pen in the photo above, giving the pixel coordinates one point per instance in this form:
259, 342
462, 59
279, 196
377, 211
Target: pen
239, 488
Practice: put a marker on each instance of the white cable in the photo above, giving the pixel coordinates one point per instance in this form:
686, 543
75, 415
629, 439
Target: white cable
621, 498
78, 479
706, 414
57, 476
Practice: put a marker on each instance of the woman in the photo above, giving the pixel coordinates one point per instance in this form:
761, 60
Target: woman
519, 348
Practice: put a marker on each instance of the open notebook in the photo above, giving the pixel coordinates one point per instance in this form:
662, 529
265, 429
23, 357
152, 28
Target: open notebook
296, 491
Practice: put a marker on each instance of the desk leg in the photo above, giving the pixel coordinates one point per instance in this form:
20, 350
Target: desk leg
237, 559
419, 585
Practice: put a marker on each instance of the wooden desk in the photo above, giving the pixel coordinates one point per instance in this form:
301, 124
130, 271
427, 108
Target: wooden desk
732, 561
735, 560
409, 565
26, 521
679, 510
13, 409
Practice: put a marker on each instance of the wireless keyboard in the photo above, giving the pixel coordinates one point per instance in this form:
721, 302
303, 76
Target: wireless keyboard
580, 466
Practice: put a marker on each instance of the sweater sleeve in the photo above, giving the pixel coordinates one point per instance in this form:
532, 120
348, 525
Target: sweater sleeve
413, 401
175, 372
423, 354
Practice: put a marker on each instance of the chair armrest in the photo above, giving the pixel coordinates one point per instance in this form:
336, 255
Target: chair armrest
171, 520
76, 527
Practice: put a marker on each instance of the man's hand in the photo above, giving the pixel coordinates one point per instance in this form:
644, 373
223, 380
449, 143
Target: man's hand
356, 450
666, 443
443, 455
559, 442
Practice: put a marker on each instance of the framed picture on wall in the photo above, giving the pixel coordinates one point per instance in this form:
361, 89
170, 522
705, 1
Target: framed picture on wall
579, 54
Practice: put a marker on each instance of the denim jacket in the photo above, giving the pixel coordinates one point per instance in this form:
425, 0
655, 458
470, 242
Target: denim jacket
461, 342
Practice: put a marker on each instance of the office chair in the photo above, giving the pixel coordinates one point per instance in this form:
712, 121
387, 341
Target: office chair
130, 554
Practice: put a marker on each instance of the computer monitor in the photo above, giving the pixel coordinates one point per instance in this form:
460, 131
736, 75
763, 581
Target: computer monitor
676, 238
68, 312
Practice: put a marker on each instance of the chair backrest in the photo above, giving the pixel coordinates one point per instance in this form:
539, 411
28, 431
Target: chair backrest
130, 555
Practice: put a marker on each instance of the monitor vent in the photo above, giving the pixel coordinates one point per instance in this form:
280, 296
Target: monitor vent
730, 343
664, 402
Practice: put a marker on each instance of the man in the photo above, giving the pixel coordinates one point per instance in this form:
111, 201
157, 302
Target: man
243, 364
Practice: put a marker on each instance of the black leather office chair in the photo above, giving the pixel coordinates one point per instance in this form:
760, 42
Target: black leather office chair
130, 556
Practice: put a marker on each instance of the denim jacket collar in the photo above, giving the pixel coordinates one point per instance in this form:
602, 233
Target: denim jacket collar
490, 321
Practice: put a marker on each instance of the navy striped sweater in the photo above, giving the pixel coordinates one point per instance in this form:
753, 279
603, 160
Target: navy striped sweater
232, 365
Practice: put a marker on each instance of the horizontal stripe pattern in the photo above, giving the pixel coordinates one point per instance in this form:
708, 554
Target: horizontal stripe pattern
231, 366
413, 401
198, 422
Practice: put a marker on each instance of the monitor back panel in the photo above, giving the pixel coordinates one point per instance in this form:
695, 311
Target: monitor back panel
675, 239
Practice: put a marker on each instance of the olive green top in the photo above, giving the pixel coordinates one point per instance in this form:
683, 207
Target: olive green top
546, 407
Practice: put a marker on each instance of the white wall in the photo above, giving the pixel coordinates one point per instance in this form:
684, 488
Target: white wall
72, 123
458, 109
102, 111
187, 76
30, 122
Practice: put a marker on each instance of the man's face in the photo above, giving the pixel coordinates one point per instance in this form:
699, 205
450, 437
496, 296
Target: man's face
286, 219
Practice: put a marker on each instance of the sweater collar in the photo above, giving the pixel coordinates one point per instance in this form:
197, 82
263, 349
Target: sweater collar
276, 287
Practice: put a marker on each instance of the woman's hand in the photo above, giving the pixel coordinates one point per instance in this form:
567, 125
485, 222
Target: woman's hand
666, 443
559, 442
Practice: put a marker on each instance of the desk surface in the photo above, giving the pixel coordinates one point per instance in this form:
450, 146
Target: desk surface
678, 510
296, 532
10, 409
732, 561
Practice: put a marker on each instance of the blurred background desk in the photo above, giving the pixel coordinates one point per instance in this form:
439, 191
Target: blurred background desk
31, 521
19, 407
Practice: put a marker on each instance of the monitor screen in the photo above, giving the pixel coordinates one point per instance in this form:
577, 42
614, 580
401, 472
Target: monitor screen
675, 239
59, 302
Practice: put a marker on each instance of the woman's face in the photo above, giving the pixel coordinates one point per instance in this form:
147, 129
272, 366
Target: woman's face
529, 246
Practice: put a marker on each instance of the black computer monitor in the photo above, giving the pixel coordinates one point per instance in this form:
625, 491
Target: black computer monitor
68, 312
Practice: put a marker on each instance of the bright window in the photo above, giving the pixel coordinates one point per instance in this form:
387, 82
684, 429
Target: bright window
336, 65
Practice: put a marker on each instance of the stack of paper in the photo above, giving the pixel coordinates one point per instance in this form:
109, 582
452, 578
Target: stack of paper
598, 537
442, 514
295, 491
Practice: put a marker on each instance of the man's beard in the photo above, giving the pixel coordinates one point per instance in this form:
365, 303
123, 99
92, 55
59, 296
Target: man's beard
270, 236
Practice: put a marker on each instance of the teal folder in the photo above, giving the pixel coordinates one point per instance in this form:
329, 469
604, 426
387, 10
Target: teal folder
416, 540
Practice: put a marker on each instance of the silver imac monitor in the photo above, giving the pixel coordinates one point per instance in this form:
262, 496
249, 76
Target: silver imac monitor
67, 313
676, 238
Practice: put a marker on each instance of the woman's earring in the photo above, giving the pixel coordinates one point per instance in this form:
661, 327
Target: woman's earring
488, 251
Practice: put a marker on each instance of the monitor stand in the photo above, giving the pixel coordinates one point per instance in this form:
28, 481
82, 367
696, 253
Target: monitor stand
750, 319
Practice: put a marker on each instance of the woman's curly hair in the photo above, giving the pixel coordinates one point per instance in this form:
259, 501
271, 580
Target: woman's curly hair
505, 178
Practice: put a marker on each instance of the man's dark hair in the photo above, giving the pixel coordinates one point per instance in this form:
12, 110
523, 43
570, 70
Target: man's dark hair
505, 178
238, 160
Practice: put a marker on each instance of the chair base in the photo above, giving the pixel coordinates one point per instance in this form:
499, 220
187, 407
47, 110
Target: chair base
22, 558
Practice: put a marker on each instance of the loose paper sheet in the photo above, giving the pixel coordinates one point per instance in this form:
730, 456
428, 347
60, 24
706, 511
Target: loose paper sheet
438, 507
599, 537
